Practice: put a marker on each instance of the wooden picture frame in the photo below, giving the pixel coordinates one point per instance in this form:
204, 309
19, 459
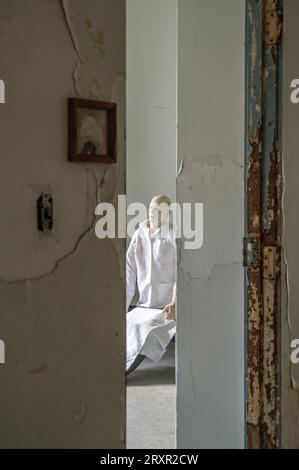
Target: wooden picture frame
92, 128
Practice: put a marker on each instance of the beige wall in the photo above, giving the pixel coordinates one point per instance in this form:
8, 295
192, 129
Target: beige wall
290, 305
61, 296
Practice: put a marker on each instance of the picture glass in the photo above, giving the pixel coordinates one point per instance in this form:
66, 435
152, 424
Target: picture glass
92, 132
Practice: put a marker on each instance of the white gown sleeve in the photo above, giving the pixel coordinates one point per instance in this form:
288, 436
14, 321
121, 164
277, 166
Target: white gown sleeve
131, 268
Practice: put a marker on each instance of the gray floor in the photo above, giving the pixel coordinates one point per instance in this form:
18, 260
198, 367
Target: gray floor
151, 395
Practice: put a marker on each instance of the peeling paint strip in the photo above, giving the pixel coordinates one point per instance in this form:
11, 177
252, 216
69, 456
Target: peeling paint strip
262, 222
181, 168
253, 180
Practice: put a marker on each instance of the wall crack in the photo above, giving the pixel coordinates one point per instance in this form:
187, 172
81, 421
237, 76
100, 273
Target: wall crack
67, 21
77, 243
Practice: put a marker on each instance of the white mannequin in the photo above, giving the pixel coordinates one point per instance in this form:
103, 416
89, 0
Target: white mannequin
158, 217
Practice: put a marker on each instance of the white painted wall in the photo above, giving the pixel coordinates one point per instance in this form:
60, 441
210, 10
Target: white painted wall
290, 317
210, 336
151, 98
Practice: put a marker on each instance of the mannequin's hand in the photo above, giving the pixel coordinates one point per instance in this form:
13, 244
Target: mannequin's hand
170, 311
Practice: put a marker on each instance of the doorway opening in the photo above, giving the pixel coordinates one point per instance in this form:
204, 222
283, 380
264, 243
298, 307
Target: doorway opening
151, 160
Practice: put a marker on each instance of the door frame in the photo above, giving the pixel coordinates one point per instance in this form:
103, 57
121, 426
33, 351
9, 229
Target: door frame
262, 241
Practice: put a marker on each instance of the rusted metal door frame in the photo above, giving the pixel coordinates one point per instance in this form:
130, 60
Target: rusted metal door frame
263, 221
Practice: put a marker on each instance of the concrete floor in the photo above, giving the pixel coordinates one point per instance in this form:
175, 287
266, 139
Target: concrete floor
151, 396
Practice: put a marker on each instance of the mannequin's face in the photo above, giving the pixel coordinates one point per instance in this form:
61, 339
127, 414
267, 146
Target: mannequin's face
158, 213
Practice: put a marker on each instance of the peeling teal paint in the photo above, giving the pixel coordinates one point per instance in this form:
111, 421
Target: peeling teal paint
262, 208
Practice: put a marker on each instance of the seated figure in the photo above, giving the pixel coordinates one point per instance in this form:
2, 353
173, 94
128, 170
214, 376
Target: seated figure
151, 262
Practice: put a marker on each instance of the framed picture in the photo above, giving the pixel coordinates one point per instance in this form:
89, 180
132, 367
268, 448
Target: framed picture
92, 131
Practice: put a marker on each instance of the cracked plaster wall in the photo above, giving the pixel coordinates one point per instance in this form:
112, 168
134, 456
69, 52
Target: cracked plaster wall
62, 296
210, 325
290, 298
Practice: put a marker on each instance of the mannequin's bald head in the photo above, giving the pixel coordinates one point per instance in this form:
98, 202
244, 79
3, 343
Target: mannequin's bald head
159, 210
160, 199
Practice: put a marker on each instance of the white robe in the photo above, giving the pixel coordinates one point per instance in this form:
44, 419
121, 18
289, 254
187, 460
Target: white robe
151, 262
148, 333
